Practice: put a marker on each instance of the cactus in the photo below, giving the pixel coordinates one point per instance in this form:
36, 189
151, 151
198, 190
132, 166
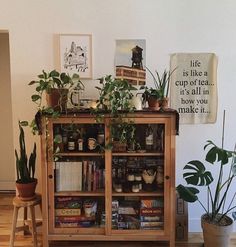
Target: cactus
25, 168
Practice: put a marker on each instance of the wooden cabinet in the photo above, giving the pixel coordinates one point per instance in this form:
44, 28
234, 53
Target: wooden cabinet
103, 194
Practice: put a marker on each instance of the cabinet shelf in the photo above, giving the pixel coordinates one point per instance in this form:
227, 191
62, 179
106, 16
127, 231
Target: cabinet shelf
137, 154
138, 231
141, 193
80, 154
80, 193
94, 230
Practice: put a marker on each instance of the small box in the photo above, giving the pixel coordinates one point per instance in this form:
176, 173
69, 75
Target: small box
181, 220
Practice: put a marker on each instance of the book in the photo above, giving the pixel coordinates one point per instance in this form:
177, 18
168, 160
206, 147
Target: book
74, 224
68, 176
151, 211
152, 203
68, 202
67, 211
78, 218
151, 218
152, 224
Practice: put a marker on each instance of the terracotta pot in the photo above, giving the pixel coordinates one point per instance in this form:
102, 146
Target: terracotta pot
119, 146
153, 103
26, 192
163, 103
216, 235
57, 99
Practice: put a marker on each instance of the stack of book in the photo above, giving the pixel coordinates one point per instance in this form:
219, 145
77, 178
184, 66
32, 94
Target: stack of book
68, 213
152, 214
128, 215
93, 176
115, 207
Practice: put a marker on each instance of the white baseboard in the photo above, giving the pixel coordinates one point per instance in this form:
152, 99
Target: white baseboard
7, 185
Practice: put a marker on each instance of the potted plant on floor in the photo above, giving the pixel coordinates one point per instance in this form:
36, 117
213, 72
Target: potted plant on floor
216, 223
25, 168
157, 97
55, 86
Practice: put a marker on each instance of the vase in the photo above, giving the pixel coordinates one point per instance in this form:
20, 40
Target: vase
57, 99
153, 103
163, 103
26, 192
216, 235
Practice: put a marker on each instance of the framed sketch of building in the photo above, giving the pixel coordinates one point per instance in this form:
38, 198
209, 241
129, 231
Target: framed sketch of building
76, 54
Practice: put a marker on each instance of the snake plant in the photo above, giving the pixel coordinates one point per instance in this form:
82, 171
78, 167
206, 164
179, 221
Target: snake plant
25, 167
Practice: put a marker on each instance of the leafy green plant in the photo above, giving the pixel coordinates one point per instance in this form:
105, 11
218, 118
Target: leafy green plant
161, 85
115, 95
196, 174
25, 167
46, 82
49, 80
115, 99
123, 131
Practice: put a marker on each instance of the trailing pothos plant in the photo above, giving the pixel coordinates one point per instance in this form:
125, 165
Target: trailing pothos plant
46, 82
220, 201
115, 99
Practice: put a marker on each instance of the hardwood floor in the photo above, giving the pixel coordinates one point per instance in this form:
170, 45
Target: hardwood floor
6, 211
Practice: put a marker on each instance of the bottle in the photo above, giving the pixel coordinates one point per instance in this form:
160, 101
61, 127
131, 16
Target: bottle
100, 135
149, 138
71, 142
80, 140
64, 139
58, 140
91, 139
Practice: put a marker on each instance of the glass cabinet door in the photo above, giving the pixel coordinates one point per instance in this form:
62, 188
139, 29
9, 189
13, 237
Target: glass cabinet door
138, 186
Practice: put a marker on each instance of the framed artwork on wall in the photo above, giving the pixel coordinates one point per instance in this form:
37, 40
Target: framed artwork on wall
76, 54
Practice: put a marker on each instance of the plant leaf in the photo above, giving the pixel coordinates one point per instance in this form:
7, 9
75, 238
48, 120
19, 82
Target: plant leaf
197, 174
217, 154
188, 194
35, 97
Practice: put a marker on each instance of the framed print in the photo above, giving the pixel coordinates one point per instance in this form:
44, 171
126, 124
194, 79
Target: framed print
130, 61
76, 54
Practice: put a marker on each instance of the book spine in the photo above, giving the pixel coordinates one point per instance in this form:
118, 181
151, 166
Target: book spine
68, 211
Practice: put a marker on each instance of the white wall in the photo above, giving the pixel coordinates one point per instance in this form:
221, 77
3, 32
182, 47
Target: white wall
168, 26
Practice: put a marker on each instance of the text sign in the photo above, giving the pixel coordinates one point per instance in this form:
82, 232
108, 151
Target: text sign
193, 87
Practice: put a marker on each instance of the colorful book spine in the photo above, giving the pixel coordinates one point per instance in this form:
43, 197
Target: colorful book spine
67, 212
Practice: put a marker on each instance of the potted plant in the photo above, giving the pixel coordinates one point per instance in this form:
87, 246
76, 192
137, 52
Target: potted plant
25, 168
115, 95
123, 136
115, 99
216, 223
56, 87
157, 97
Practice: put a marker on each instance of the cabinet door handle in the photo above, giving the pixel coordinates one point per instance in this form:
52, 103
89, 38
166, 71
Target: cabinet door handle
167, 177
50, 176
